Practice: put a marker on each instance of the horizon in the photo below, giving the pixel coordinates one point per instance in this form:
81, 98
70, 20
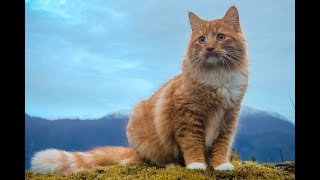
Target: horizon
128, 112
90, 59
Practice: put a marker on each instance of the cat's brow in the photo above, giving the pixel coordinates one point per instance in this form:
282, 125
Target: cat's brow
212, 28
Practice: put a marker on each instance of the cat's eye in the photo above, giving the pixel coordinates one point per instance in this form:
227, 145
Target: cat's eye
202, 39
220, 37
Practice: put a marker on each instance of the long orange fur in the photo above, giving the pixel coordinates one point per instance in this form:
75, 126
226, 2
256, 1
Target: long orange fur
191, 120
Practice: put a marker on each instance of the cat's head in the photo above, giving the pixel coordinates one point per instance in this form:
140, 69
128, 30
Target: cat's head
217, 43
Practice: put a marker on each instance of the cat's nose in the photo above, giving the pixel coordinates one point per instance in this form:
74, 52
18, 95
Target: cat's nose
210, 49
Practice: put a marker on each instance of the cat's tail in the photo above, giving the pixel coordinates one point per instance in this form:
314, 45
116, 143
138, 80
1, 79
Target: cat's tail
64, 163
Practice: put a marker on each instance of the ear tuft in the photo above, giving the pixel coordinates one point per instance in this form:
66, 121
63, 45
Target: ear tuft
194, 20
232, 17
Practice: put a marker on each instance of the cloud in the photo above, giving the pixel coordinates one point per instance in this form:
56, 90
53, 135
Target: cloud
90, 56
53, 7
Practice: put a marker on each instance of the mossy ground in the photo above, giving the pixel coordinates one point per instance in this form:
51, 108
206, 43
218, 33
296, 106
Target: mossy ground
243, 170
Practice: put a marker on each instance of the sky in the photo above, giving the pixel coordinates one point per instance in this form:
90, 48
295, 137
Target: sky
86, 59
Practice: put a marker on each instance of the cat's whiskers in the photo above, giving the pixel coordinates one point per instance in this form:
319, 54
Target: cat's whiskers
233, 61
222, 58
237, 56
199, 62
191, 57
222, 61
233, 51
196, 64
194, 60
229, 59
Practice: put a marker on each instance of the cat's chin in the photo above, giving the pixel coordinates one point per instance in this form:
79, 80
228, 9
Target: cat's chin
213, 60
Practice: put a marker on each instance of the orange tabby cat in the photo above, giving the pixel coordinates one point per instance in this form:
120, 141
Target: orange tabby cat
190, 120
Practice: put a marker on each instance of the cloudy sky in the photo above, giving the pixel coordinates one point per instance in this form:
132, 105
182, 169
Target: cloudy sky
90, 58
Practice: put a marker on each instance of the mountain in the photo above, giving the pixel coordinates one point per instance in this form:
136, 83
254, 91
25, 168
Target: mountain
73, 135
267, 136
264, 135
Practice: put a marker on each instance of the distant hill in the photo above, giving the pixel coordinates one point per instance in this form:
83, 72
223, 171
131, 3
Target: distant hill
260, 134
264, 135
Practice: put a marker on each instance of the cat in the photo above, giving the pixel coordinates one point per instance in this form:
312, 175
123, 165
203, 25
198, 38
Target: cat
191, 120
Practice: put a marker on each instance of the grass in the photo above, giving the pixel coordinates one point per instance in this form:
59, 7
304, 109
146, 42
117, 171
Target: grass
243, 170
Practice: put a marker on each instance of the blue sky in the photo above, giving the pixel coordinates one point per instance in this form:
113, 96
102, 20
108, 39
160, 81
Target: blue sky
89, 58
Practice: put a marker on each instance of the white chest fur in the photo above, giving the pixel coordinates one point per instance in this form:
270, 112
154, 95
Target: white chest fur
230, 87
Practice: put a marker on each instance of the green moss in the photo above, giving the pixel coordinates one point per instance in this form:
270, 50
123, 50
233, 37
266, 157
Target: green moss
234, 156
243, 170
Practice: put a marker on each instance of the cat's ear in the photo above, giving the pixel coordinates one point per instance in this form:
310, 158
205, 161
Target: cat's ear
194, 20
232, 18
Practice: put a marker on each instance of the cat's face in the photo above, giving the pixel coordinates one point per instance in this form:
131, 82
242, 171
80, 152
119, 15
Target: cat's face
217, 43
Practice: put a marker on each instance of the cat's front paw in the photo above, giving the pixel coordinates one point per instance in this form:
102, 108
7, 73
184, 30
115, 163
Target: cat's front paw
197, 165
225, 166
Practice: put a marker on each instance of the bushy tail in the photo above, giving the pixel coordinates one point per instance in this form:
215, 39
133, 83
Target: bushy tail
64, 163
